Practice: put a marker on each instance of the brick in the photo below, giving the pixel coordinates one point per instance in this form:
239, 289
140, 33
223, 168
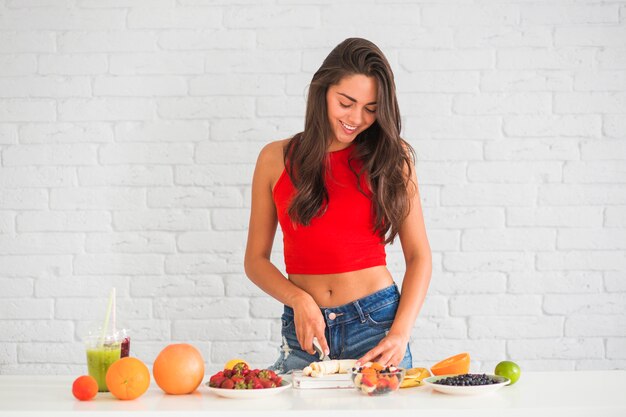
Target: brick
420, 104
203, 108
70, 221
50, 352
265, 307
595, 325
210, 263
439, 328
589, 102
502, 36
62, 19
256, 61
94, 308
96, 198
514, 172
594, 172
590, 36
42, 243
195, 197
23, 199
7, 223
142, 331
237, 330
503, 103
147, 63
475, 15
263, 16
161, 220
583, 304
556, 348
611, 58
209, 152
434, 350
548, 126
600, 81
616, 348
212, 241
540, 365
35, 265
49, 133
162, 131
434, 306
230, 84
230, 219
8, 353
513, 305
508, 240
606, 149
27, 110
73, 64
522, 327
557, 282
38, 176
106, 109
275, 106
435, 81
614, 125
214, 174
444, 239
174, 17
177, 286
128, 175
578, 216
14, 288
29, 331
424, 59
581, 260
59, 154
453, 127
530, 149
490, 195
468, 283
200, 308
131, 242
563, 14
17, 65
614, 281
549, 58
105, 264
28, 42
441, 172
264, 130
447, 150
137, 86
80, 286
602, 239
186, 40
26, 308
143, 153
581, 194
600, 364
237, 285
258, 354
8, 134
46, 86
487, 261
46, 369
107, 41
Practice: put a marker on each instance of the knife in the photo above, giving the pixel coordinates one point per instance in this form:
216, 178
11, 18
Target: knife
318, 349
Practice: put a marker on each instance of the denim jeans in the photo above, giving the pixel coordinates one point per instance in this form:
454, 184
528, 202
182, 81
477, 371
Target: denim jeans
351, 330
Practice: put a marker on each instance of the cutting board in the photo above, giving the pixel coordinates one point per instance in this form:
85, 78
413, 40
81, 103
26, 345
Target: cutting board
332, 381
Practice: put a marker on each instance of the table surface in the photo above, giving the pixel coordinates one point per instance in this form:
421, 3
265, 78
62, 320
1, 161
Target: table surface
579, 393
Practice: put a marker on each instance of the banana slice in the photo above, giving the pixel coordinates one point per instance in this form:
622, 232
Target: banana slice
414, 377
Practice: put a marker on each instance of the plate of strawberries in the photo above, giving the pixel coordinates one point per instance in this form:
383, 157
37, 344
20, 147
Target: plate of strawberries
239, 381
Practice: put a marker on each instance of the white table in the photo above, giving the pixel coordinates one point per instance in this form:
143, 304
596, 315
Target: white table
582, 393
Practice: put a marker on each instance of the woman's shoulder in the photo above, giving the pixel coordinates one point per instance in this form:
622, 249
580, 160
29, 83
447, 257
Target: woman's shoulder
271, 161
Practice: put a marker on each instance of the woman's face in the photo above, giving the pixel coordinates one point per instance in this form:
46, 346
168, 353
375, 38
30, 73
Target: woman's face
351, 108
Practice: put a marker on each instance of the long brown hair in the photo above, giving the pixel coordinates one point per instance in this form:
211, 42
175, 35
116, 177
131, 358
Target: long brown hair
386, 157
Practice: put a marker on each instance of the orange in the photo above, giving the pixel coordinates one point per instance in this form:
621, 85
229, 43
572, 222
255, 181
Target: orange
231, 363
85, 387
128, 378
457, 364
178, 369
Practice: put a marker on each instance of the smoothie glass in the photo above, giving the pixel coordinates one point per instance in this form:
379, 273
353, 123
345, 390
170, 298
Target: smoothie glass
101, 353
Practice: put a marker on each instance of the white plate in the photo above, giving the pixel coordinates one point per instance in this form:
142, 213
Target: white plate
468, 390
249, 393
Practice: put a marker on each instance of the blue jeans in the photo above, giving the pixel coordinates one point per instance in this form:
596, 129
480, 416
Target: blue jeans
351, 330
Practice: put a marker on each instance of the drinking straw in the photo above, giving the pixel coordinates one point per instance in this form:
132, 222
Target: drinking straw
106, 319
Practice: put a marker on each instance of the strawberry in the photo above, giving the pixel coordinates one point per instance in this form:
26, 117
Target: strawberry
240, 367
277, 380
241, 385
228, 373
216, 380
369, 380
237, 379
266, 383
227, 384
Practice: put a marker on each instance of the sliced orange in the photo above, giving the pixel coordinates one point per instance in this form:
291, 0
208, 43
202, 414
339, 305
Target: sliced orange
377, 366
457, 364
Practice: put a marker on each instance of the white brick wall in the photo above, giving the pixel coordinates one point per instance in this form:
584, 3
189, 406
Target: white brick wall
129, 130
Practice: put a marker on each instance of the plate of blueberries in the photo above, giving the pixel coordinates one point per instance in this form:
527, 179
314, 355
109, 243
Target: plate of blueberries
466, 384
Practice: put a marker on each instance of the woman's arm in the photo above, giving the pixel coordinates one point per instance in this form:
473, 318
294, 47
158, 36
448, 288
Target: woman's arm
257, 264
417, 255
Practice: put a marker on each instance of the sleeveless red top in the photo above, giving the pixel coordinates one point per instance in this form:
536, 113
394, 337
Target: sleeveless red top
340, 240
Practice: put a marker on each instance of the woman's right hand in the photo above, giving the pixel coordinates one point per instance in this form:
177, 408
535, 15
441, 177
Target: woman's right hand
309, 323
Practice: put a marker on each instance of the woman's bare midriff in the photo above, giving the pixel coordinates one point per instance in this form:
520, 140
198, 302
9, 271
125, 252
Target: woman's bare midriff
332, 290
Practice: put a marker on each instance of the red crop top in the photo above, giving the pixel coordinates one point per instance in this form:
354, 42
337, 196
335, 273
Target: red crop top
340, 240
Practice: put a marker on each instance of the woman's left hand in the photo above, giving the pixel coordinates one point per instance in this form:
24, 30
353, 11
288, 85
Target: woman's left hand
389, 351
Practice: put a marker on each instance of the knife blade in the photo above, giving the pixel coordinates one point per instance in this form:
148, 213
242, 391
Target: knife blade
318, 349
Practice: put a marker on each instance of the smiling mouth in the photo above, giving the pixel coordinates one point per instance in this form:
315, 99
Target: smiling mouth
348, 127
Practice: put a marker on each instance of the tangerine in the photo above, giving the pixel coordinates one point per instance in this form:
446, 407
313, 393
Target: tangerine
128, 378
178, 369
457, 364
85, 387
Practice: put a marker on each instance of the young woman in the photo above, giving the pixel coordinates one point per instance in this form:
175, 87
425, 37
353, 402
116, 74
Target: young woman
341, 190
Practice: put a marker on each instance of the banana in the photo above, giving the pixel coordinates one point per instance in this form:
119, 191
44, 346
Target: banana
414, 377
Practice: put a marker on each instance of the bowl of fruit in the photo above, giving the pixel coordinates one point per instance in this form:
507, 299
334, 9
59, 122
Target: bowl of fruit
374, 379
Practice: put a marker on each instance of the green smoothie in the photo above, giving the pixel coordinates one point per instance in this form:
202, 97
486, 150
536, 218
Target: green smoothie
98, 362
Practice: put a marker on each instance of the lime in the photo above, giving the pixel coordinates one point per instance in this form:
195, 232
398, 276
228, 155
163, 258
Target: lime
509, 370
